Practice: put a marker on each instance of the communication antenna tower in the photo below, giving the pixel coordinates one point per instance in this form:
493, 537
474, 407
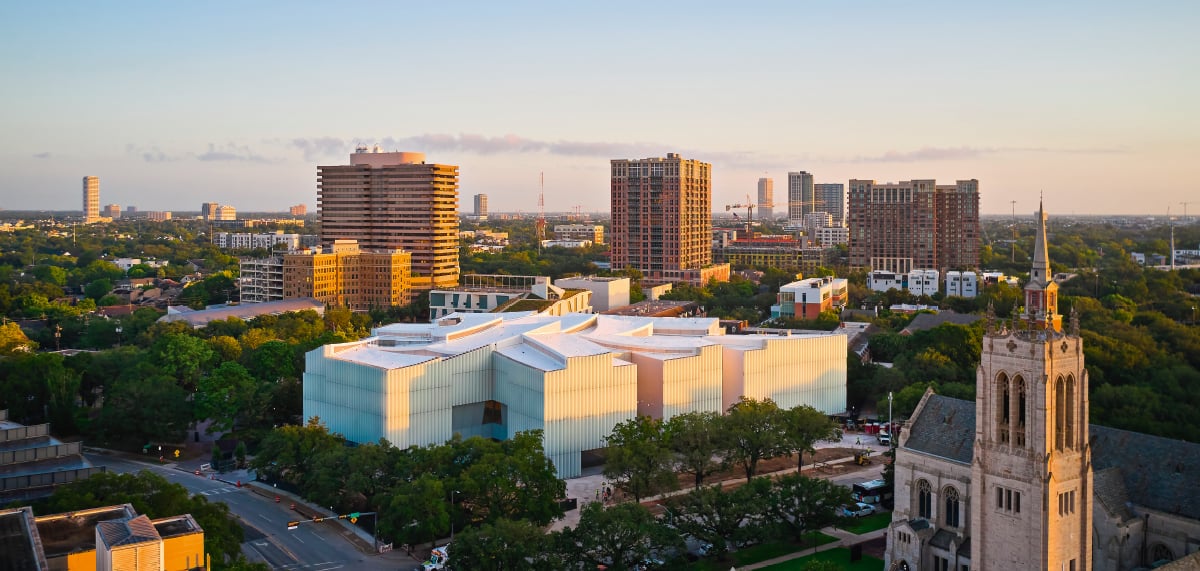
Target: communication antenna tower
1013, 247
541, 219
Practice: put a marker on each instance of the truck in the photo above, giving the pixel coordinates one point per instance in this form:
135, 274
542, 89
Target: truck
437, 558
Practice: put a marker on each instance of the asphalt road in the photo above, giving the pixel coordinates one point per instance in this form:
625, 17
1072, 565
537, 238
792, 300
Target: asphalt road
310, 547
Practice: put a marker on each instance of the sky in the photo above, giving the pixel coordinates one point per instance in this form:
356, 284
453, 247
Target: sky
173, 104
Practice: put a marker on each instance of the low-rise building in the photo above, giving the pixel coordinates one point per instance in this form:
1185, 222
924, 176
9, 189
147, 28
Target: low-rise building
830, 236
660, 308
573, 377
260, 279
247, 241
201, 317
923, 282
488, 293
579, 232
346, 276
112, 538
32, 462
787, 254
607, 292
962, 284
806, 299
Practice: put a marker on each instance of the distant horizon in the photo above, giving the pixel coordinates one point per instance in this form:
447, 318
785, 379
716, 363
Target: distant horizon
236, 103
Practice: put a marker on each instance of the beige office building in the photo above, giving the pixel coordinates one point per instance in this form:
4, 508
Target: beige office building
389, 201
346, 276
91, 199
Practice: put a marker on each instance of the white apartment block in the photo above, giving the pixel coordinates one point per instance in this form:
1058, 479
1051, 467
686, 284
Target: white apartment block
881, 280
607, 293
923, 282
574, 377
962, 284
832, 235
245, 241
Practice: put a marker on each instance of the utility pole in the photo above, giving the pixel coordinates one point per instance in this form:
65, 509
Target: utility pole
1014, 229
541, 219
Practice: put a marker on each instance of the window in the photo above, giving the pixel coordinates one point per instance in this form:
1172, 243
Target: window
1060, 413
952, 506
1008, 500
1002, 408
1020, 436
924, 500
940, 563
1070, 413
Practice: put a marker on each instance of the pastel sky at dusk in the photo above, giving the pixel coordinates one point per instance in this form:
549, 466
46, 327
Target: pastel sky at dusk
176, 103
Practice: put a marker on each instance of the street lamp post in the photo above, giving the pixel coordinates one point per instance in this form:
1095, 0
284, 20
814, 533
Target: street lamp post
118, 336
452, 494
57, 337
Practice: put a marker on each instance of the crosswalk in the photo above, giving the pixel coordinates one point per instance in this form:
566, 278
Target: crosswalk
219, 491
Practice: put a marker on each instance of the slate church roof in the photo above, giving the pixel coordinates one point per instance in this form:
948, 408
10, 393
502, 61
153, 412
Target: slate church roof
944, 427
1129, 467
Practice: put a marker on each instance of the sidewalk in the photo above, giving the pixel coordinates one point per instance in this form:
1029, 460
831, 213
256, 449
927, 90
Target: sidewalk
585, 488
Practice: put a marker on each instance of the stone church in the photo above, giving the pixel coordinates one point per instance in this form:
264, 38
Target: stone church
1018, 480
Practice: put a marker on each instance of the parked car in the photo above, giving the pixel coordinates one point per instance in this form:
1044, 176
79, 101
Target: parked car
885, 439
859, 509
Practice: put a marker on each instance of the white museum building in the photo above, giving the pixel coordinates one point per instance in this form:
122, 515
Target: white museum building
574, 377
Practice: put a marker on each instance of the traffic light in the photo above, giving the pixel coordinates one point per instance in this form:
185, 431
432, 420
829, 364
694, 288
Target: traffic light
293, 524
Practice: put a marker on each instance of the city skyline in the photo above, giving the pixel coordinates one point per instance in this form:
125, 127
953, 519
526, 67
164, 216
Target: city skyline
224, 102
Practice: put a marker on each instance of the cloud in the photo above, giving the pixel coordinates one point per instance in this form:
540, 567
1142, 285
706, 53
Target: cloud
959, 153
325, 147
44, 155
231, 152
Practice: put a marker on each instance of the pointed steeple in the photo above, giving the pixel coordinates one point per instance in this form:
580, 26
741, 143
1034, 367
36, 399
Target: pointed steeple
1041, 293
1040, 272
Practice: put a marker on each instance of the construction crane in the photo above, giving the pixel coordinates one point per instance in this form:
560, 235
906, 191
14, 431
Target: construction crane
749, 206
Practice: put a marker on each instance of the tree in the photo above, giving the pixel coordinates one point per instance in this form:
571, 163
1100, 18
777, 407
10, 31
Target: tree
638, 458
224, 395
273, 361
143, 407
799, 504
288, 452
13, 341
719, 517
754, 431
804, 426
517, 481
98, 289
181, 356
695, 438
503, 545
416, 511
619, 537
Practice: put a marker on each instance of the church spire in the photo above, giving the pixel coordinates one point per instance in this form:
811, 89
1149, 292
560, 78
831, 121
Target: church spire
1041, 293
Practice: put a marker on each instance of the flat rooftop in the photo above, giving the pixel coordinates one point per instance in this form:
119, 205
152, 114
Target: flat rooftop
75, 532
18, 550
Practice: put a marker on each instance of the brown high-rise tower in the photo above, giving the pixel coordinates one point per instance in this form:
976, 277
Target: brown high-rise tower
910, 225
389, 201
662, 218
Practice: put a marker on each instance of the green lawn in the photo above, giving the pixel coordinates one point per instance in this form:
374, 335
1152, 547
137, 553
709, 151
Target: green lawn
763, 552
861, 525
840, 556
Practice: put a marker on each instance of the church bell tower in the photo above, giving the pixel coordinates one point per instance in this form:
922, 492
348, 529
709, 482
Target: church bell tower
1031, 475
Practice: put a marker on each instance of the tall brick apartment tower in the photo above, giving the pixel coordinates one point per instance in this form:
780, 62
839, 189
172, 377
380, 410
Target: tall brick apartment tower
389, 201
662, 219
915, 224
1031, 476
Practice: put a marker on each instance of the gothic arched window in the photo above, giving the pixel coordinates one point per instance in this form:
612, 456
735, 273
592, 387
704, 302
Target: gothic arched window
924, 499
1019, 382
952, 506
1003, 408
1161, 552
1060, 413
1070, 413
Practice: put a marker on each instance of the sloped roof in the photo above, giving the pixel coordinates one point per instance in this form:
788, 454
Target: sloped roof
945, 427
942, 539
1159, 473
1110, 490
132, 531
925, 321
